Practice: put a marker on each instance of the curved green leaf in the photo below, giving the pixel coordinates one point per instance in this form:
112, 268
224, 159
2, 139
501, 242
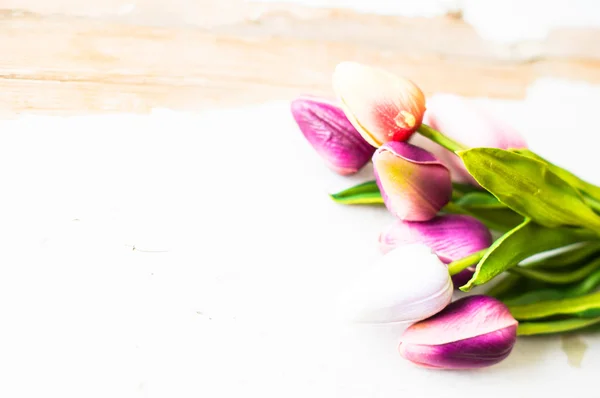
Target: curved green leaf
529, 187
584, 287
480, 198
559, 278
520, 243
366, 193
463, 188
572, 256
508, 283
579, 289
494, 219
584, 306
490, 210
566, 325
576, 182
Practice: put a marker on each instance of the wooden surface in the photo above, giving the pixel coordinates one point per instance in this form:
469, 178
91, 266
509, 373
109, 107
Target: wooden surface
68, 57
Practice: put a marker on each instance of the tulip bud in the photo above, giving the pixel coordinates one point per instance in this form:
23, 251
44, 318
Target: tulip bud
413, 183
383, 107
408, 284
472, 332
451, 237
331, 134
465, 122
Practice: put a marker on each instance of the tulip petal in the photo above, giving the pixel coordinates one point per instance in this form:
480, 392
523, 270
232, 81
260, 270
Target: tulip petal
475, 352
472, 332
471, 125
413, 183
383, 107
330, 133
408, 284
463, 319
450, 236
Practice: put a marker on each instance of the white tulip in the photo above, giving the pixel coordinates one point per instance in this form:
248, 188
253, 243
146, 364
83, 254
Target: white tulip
407, 285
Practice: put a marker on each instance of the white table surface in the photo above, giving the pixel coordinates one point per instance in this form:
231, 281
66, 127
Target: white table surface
198, 255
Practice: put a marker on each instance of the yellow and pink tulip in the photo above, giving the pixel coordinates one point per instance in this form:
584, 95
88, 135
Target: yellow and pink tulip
413, 183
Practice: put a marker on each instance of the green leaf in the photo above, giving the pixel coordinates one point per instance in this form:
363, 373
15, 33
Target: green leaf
587, 306
572, 256
464, 189
503, 288
584, 287
529, 187
491, 219
366, 193
566, 325
536, 296
483, 199
490, 210
560, 278
510, 288
520, 243
576, 182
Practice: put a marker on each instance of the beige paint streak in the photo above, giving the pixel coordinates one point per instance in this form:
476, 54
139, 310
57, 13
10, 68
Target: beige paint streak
67, 57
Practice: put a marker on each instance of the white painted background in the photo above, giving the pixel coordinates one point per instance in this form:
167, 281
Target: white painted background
238, 256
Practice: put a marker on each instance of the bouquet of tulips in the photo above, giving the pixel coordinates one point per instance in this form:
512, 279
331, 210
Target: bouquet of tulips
471, 204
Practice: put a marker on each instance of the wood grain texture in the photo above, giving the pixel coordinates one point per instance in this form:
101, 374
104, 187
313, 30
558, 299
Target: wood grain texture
65, 57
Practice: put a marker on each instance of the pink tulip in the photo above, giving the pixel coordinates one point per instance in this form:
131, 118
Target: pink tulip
383, 107
470, 125
331, 135
451, 237
413, 183
472, 332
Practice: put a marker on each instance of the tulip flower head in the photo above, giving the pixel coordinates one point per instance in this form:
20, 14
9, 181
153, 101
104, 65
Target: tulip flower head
450, 236
473, 332
383, 107
413, 183
465, 122
408, 284
330, 133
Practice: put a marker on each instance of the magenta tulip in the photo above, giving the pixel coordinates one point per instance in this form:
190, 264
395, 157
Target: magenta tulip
472, 332
451, 237
330, 133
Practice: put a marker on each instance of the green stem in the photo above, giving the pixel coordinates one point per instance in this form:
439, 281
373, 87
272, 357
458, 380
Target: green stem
440, 138
459, 265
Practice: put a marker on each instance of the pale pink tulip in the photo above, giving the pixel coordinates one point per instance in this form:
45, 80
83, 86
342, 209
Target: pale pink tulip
469, 124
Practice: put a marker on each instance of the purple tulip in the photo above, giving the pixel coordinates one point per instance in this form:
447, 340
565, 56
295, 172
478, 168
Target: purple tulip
461, 119
451, 237
472, 332
413, 183
331, 134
